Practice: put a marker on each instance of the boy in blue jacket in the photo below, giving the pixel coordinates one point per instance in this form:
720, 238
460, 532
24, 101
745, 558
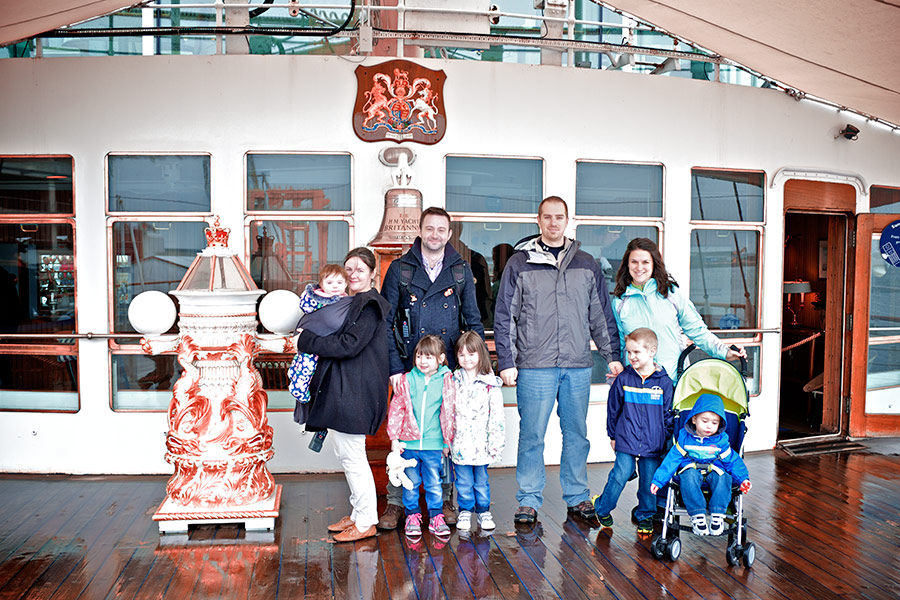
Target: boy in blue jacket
703, 451
638, 423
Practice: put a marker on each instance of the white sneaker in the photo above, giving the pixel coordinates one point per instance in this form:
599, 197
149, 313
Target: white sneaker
464, 521
716, 524
699, 525
486, 520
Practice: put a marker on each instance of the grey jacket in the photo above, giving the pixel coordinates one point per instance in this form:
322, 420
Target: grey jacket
548, 311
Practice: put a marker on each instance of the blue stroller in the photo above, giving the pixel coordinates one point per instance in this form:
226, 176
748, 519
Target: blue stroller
708, 376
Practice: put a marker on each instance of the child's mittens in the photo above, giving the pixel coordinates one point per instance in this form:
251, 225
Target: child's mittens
745, 486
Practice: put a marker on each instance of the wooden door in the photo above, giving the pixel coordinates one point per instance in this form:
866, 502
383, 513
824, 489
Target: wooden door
874, 358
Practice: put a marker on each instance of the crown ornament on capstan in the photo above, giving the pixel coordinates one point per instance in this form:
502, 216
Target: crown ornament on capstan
217, 237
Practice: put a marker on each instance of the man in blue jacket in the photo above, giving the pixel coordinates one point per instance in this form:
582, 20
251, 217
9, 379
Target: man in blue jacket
431, 290
551, 303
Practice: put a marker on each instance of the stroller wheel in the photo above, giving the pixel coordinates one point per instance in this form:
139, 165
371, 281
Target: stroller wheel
658, 546
749, 555
674, 549
731, 554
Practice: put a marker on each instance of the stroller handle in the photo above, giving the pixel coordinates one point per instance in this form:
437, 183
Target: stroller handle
692, 346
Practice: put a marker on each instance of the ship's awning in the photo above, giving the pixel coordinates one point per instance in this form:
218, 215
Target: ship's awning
22, 19
845, 51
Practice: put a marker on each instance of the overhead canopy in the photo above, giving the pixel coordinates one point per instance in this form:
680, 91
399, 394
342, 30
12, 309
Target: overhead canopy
845, 51
21, 19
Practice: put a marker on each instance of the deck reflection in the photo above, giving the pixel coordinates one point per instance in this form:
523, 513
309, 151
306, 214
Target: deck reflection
825, 527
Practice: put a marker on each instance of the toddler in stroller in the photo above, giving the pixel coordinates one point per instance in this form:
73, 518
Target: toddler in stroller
704, 469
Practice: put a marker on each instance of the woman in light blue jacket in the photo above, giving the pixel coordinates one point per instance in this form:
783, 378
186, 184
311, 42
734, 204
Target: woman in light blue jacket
646, 295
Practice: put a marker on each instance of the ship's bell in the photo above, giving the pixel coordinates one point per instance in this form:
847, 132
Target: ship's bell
402, 203
400, 225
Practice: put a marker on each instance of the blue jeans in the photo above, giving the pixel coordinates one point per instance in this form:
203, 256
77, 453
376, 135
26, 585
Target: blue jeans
618, 477
473, 490
426, 473
395, 493
692, 495
537, 391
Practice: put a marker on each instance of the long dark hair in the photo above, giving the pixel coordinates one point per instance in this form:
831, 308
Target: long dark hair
363, 254
664, 281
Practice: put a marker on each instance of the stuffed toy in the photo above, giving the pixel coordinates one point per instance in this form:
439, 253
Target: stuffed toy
396, 469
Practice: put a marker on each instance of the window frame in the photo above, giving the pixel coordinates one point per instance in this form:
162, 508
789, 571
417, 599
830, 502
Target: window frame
53, 347
661, 218
317, 213
310, 216
114, 347
543, 192
146, 214
755, 337
764, 188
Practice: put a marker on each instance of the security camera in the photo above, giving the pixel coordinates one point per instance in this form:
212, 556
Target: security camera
849, 132
494, 19
294, 9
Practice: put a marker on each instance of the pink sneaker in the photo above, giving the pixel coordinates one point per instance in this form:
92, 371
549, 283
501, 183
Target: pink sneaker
438, 526
414, 524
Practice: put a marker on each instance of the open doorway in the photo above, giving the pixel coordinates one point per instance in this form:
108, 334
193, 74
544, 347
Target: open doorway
815, 251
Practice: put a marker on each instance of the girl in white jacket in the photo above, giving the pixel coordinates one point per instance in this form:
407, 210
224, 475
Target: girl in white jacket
478, 427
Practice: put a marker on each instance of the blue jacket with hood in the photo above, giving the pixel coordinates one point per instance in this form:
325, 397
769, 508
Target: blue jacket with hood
639, 412
691, 449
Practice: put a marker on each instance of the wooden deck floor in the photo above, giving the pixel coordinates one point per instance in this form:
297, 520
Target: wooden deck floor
825, 526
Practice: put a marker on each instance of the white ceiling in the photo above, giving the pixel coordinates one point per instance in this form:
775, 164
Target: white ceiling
20, 19
845, 51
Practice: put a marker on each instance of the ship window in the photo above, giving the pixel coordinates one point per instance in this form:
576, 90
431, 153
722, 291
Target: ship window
159, 183
150, 251
618, 190
883, 364
298, 182
288, 254
486, 246
724, 288
884, 199
38, 364
143, 382
299, 195
727, 195
36, 185
725, 277
606, 243
478, 184
150, 255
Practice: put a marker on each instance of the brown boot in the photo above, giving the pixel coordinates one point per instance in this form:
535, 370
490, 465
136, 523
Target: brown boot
449, 513
390, 518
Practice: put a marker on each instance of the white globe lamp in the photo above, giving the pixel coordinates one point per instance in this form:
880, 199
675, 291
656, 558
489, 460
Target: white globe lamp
279, 311
152, 313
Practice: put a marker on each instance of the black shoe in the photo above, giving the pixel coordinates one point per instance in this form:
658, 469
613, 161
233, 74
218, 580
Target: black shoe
525, 515
585, 510
645, 526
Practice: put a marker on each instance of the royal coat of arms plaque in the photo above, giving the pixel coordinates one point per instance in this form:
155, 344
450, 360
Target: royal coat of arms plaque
401, 101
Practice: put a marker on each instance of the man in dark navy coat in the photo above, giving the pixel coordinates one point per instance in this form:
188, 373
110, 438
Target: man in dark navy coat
431, 290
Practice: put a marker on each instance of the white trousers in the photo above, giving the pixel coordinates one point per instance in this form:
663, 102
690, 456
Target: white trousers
350, 449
